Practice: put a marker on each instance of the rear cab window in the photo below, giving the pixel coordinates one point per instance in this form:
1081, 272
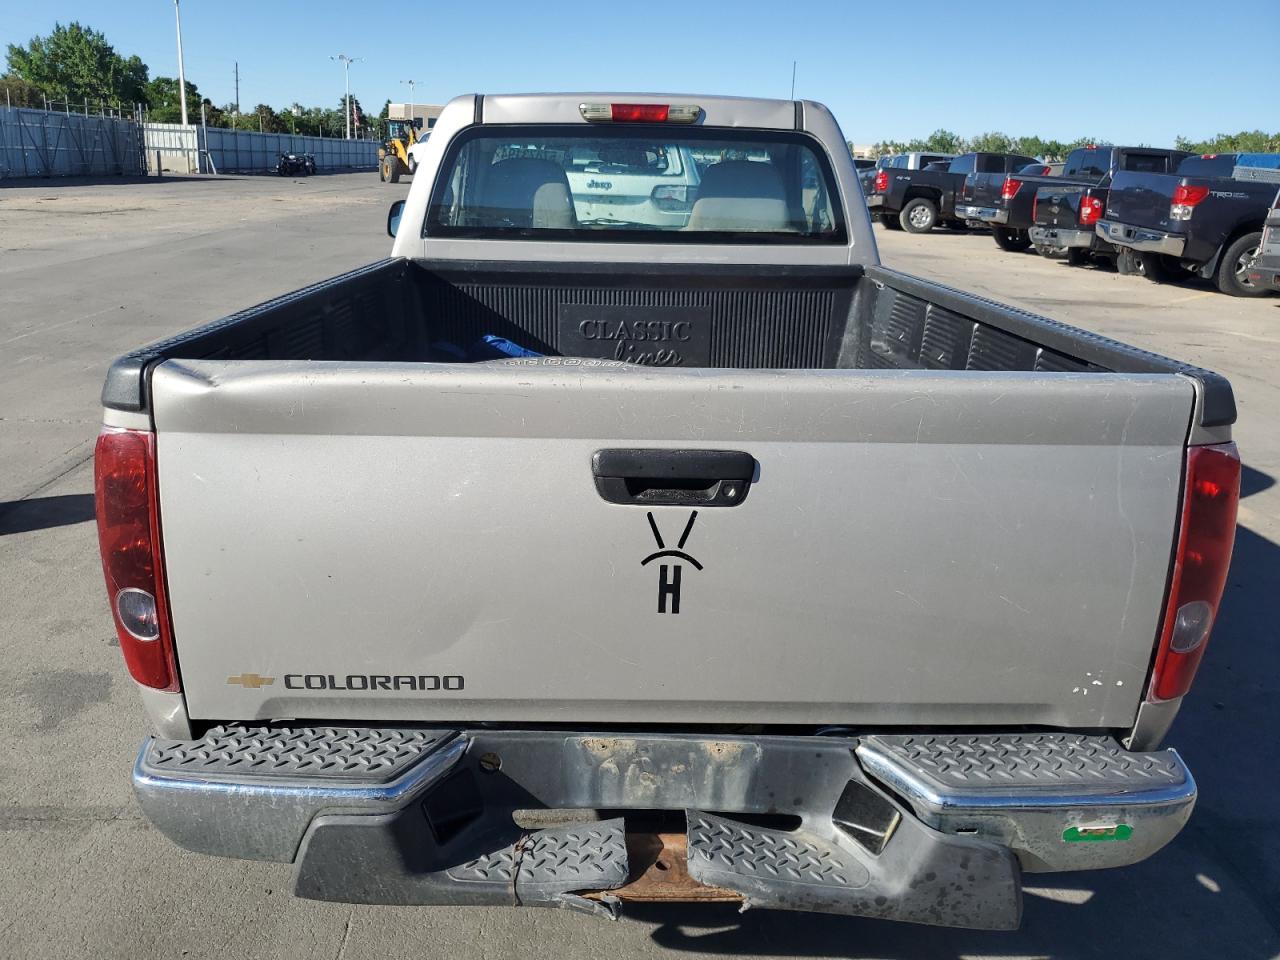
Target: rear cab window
1089, 162
639, 183
1209, 165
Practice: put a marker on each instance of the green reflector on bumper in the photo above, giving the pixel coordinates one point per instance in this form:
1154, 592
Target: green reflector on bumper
1120, 831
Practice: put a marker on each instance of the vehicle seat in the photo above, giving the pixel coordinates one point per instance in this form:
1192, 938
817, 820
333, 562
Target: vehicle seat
740, 195
526, 192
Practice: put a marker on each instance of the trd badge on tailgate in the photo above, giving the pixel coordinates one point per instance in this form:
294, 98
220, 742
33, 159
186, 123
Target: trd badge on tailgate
669, 574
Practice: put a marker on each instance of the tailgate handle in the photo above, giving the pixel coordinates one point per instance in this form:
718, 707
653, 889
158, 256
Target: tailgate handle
711, 478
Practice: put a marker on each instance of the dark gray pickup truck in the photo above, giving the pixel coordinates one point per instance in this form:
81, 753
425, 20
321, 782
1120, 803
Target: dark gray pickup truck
1068, 208
1206, 218
565, 559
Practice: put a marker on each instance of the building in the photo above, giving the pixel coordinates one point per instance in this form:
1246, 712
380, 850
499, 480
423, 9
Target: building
428, 113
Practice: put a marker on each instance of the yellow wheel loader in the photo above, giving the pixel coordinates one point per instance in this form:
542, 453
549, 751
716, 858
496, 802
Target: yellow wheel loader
393, 155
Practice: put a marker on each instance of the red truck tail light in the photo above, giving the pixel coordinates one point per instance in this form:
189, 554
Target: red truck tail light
882, 181
1090, 211
1205, 538
1185, 198
1010, 188
127, 503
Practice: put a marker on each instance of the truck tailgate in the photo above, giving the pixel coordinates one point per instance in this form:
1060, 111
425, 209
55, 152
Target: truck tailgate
1143, 199
409, 541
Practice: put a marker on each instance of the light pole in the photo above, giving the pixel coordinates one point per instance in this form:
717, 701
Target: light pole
346, 69
182, 74
411, 84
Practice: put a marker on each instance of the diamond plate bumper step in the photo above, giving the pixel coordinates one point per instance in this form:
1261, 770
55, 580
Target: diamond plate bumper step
1060, 801
922, 876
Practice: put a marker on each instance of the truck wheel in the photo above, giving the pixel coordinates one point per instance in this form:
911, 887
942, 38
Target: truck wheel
395, 170
918, 216
1161, 268
1007, 238
1078, 256
413, 166
1129, 264
1232, 276
383, 173
890, 220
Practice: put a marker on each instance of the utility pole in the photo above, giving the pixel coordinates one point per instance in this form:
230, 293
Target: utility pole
793, 79
237, 86
182, 75
411, 84
346, 69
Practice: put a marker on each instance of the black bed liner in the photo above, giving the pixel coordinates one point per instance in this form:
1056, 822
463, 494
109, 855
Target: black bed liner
776, 317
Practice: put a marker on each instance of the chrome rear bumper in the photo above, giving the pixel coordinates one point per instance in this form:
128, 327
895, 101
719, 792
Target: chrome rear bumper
1061, 238
1141, 238
985, 214
873, 826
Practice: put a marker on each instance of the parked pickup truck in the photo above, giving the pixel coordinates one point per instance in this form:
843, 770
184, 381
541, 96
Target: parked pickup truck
1066, 211
1003, 201
562, 560
896, 161
921, 199
1265, 271
1206, 219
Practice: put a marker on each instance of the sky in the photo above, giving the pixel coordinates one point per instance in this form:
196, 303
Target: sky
889, 71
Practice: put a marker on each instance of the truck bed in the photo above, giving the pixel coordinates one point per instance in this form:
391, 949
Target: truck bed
771, 317
936, 478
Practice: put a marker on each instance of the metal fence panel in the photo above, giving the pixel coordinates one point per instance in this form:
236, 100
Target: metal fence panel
46, 143
194, 149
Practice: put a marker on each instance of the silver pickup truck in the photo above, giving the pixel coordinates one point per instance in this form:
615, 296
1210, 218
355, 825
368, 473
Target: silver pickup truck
566, 557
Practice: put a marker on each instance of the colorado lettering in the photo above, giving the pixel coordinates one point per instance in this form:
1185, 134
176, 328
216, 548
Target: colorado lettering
372, 681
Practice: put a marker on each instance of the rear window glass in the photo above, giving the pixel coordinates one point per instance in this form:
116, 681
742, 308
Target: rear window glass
1145, 163
1088, 163
1217, 165
643, 183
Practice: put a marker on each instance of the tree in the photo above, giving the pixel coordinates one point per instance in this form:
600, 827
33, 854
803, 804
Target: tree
161, 98
943, 141
994, 142
17, 92
1246, 141
75, 63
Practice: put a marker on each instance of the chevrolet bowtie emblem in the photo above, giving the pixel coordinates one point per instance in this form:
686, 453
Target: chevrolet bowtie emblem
252, 681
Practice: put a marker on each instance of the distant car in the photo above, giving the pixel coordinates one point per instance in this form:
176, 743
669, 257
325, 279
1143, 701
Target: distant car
650, 183
1265, 271
416, 152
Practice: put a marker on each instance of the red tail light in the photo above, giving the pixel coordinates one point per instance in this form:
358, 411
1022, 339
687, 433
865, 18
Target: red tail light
1010, 188
1205, 538
124, 467
1188, 195
1090, 211
882, 181
639, 112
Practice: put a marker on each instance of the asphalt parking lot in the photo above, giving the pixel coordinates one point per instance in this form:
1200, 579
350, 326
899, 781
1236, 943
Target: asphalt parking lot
88, 271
